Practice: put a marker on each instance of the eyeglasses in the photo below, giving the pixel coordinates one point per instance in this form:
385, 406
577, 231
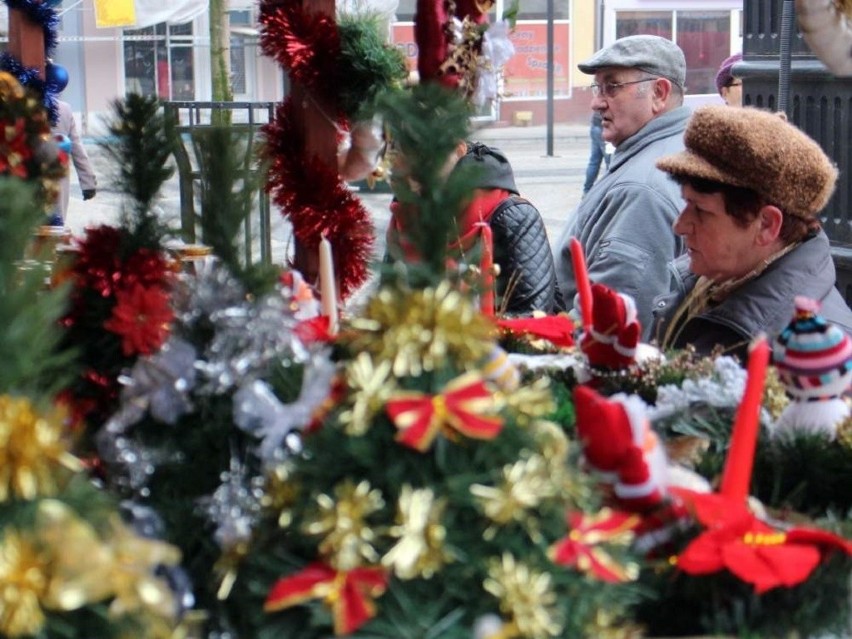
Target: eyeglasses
610, 89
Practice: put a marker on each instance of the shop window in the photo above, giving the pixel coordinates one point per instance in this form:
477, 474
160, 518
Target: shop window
705, 37
628, 23
528, 9
242, 42
158, 61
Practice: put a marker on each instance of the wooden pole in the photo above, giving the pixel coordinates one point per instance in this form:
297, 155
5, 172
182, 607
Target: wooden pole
320, 141
26, 40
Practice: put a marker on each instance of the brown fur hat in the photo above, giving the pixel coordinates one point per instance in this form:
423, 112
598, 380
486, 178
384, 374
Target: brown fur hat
758, 150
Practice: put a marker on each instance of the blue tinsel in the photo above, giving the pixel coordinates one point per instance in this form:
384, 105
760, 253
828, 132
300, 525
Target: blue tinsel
30, 78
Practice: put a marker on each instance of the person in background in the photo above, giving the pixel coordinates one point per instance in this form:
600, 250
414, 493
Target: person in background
67, 126
526, 281
598, 152
753, 185
624, 221
729, 86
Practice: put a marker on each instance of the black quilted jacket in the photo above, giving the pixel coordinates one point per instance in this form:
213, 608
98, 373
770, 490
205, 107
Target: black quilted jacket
527, 280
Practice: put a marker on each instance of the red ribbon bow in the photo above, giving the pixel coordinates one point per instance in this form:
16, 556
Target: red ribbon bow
459, 409
349, 593
581, 548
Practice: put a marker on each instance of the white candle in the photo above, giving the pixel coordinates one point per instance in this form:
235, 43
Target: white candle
328, 285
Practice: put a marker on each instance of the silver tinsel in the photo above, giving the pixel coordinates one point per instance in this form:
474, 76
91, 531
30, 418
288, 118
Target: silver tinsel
131, 464
723, 389
162, 382
248, 339
234, 506
213, 289
258, 411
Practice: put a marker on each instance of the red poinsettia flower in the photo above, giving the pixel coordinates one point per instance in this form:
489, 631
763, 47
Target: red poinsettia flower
752, 550
141, 317
98, 266
147, 267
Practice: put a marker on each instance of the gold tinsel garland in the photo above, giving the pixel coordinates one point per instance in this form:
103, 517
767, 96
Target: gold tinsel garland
420, 551
370, 387
63, 564
342, 521
526, 598
420, 330
32, 450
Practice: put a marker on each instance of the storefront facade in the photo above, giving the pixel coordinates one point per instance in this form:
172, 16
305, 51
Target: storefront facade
173, 60
708, 31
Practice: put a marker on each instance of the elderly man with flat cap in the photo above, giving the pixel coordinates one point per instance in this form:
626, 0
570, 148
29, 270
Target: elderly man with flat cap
754, 185
624, 221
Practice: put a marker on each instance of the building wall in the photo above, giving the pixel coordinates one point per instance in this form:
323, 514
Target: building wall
95, 57
95, 61
595, 23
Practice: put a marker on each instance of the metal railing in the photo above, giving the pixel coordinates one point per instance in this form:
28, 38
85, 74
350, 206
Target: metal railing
246, 120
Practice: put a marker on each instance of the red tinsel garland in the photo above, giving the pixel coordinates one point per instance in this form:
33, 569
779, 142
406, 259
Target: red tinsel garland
308, 190
317, 202
307, 46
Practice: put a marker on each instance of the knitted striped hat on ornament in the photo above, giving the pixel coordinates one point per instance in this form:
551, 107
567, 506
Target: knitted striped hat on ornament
813, 357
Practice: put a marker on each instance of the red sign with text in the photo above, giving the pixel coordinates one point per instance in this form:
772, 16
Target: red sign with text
526, 72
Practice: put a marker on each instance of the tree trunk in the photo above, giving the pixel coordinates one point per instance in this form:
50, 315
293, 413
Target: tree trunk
220, 58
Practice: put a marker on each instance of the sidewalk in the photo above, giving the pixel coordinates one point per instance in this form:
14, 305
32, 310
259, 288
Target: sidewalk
552, 182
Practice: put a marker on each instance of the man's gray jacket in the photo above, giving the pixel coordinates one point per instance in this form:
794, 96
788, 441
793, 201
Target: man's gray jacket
625, 221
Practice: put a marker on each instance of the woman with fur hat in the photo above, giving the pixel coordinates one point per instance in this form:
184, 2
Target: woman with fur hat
526, 281
753, 185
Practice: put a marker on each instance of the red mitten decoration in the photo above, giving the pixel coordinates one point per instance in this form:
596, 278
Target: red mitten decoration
611, 342
618, 442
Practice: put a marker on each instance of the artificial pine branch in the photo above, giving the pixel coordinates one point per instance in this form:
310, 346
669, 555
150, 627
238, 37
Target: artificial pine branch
425, 124
368, 63
28, 314
229, 181
140, 146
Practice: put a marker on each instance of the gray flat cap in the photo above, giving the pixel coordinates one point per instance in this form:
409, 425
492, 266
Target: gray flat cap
652, 54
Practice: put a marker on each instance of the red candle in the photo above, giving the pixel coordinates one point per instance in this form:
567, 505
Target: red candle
486, 300
736, 477
581, 276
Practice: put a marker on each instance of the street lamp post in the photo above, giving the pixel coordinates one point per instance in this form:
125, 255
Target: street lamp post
550, 77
